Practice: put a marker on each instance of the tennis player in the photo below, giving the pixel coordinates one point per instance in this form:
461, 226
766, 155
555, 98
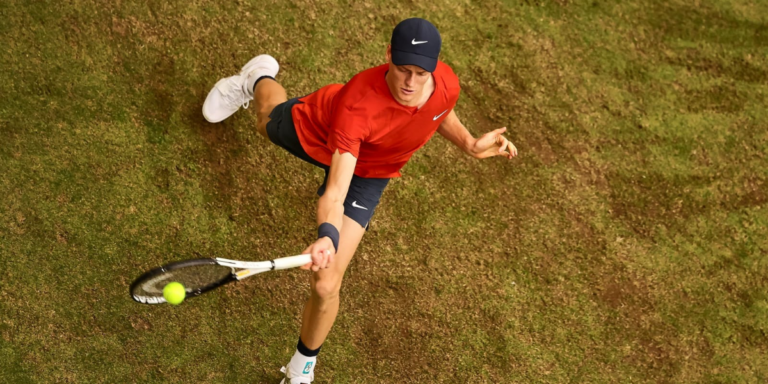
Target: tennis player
361, 133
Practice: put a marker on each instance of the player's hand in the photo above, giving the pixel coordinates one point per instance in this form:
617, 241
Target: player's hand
494, 143
322, 253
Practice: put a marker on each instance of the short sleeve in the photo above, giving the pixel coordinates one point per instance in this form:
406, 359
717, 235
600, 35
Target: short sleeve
349, 127
452, 84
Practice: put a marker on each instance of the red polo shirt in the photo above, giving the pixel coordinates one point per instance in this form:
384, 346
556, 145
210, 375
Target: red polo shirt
362, 117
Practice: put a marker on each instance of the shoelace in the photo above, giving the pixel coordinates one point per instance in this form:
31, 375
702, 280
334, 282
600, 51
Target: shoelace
236, 96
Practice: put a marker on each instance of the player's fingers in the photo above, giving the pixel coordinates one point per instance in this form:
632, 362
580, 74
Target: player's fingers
326, 258
503, 143
498, 134
322, 260
307, 250
317, 257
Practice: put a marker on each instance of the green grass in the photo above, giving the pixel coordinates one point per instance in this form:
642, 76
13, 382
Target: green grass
626, 244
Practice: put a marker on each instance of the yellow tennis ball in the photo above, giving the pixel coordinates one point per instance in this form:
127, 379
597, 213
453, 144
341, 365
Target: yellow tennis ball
174, 293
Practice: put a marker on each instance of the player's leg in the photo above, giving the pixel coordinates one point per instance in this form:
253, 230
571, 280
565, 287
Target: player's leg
267, 94
322, 306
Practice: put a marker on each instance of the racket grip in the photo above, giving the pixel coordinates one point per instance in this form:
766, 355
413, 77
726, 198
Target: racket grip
292, 261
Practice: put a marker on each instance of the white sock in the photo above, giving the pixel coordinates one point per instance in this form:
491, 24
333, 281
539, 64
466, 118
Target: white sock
302, 365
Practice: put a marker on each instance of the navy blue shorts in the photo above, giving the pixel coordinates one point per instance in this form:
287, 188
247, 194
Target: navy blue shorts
364, 193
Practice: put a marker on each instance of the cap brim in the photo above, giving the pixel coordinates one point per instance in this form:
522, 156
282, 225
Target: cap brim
406, 58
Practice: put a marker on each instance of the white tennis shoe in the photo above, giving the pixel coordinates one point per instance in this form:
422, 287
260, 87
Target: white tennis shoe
296, 379
231, 93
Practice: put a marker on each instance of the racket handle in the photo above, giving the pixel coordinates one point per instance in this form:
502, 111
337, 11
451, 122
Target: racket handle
292, 261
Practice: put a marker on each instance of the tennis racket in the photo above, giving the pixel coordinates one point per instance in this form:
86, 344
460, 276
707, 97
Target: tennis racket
202, 275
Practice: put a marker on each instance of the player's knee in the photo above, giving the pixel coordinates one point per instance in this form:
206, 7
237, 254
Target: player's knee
263, 111
262, 118
261, 128
326, 287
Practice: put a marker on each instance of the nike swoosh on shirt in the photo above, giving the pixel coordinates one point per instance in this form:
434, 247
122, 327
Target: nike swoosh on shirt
438, 116
354, 204
414, 42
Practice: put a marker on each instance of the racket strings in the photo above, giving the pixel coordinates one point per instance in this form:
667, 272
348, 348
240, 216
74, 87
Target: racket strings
193, 278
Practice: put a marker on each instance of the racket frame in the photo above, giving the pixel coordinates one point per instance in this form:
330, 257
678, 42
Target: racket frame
240, 270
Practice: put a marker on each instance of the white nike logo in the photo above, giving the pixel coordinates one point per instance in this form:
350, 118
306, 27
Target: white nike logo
414, 42
354, 204
438, 116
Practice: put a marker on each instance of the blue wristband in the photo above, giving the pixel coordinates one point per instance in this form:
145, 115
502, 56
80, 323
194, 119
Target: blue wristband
327, 229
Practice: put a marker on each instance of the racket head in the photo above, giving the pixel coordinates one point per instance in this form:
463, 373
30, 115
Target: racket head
197, 275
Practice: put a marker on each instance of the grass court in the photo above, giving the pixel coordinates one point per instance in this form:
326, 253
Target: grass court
626, 244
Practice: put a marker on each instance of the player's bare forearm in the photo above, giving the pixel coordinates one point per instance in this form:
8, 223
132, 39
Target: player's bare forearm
490, 144
452, 129
330, 209
330, 206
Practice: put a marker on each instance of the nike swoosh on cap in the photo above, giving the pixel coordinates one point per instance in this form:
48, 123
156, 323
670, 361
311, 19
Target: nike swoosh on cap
414, 42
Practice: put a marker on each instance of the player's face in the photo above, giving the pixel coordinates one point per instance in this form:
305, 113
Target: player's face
406, 82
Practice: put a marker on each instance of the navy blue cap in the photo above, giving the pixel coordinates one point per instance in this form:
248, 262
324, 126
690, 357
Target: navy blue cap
416, 42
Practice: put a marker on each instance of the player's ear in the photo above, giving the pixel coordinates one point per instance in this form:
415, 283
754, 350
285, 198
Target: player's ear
389, 53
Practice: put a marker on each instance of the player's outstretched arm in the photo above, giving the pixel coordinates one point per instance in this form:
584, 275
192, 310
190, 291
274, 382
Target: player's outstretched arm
490, 144
330, 210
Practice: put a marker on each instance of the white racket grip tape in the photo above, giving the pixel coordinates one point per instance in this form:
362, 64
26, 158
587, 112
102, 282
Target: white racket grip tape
292, 261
